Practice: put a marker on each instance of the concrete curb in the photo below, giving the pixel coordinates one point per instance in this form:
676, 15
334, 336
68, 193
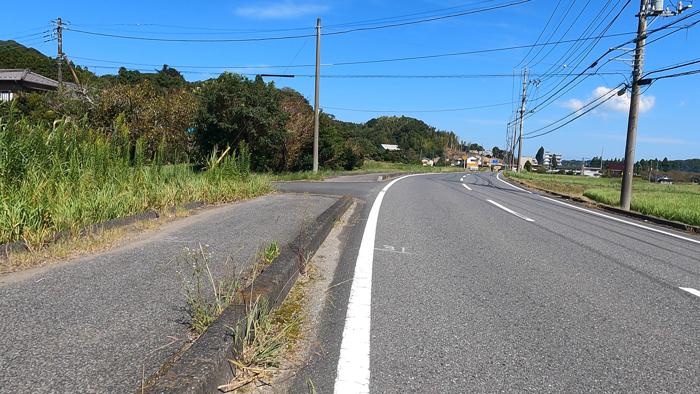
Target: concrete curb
20, 246
647, 218
204, 365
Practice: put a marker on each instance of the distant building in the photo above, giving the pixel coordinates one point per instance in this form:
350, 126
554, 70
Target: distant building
525, 159
547, 159
390, 147
17, 81
615, 168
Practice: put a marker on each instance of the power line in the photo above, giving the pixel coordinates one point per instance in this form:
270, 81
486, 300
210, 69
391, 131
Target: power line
419, 111
288, 37
610, 97
373, 61
673, 67
554, 94
349, 76
569, 87
563, 18
541, 33
681, 74
578, 110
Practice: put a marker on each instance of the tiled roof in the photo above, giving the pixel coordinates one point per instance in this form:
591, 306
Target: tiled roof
26, 75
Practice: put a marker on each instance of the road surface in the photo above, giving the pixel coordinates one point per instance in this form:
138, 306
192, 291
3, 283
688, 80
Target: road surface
102, 322
464, 283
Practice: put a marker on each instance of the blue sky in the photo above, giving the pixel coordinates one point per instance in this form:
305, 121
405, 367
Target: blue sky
668, 125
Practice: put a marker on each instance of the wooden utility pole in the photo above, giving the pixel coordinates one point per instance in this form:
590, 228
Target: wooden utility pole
628, 173
59, 58
522, 120
316, 98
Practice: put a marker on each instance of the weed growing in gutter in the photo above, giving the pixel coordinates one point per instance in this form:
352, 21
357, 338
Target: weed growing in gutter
258, 341
206, 297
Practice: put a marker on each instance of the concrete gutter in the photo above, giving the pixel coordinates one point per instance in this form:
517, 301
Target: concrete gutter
637, 215
204, 365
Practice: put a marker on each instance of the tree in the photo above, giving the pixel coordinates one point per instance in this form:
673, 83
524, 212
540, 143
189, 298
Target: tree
235, 109
497, 152
150, 115
540, 155
554, 163
528, 166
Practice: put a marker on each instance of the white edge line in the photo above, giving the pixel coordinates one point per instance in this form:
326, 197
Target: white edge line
511, 211
691, 290
624, 221
467, 187
498, 176
353, 370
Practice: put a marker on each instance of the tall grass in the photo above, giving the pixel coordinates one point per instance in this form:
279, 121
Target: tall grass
680, 202
67, 176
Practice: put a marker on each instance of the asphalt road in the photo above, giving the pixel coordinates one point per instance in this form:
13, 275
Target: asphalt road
96, 324
477, 286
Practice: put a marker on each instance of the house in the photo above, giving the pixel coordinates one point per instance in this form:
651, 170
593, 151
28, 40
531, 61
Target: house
17, 81
390, 147
616, 168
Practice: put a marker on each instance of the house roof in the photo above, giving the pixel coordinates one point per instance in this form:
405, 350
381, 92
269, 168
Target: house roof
27, 75
390, 147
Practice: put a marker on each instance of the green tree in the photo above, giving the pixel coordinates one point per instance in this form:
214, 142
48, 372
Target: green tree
497, 152
235, 109
528, 166
540, 155
553, 162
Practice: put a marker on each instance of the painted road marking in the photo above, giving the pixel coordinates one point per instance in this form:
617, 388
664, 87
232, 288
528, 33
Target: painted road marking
498, 176
511, 211
691, 290
353, 364
391, 249
467, 187
624, 221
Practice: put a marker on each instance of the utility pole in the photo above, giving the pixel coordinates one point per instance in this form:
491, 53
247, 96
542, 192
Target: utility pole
316, 100
522, 120
59, 58
646, 8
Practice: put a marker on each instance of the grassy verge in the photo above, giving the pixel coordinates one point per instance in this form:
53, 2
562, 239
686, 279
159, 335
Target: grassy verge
67, 177
369, 167
680, 202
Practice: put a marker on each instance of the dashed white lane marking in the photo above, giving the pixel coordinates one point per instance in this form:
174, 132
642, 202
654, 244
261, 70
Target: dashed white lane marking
353, 364
624, 221
521, 216
466, 187
498, 176
691, 290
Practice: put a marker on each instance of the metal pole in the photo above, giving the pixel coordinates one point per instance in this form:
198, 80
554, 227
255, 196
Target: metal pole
522, 120
628, 174
316, 100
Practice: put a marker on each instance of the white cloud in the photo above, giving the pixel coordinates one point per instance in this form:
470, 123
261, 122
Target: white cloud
574, 104
616, 103
280, 10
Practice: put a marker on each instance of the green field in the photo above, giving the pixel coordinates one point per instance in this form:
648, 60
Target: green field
679, 202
